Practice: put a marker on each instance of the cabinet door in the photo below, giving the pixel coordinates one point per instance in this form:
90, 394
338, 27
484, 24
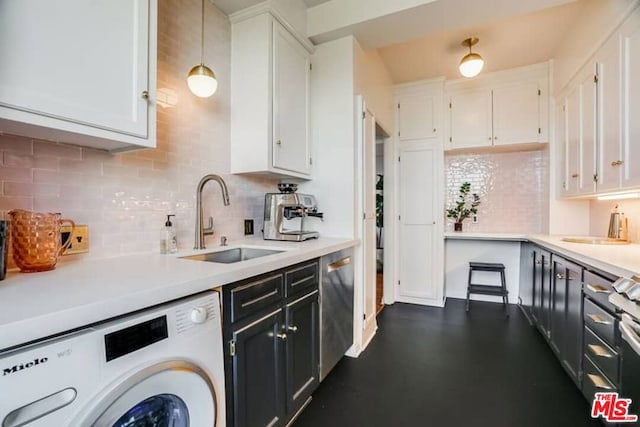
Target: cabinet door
631, 109
609, 115
572, 118
546, 294
526, 278
303, 353
470, 113
587, 158
536, 306
572, 354
69, 63
561, 138
258, 372
516, 113
420, 238
290, 102
418, 116
558, 307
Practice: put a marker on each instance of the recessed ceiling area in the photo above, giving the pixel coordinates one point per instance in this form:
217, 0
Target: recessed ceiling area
507, 43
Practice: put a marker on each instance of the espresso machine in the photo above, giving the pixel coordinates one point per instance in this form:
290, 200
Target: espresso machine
285, 216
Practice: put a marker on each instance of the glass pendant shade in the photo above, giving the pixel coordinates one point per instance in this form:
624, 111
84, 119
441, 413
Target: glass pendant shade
471, 65
202, 81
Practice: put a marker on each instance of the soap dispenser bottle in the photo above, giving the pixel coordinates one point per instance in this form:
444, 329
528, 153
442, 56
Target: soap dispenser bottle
168, 240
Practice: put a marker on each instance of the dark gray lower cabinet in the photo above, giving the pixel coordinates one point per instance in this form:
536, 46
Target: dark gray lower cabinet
272, 358
542, 290
526, 280
258, 372
566, 319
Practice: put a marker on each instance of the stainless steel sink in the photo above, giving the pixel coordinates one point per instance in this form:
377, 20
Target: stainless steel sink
595, 240
232, 255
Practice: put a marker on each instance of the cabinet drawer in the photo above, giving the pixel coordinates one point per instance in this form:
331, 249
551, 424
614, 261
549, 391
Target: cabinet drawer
594, 381
600, 321
255, 295
602, 355
301, 278
598, 289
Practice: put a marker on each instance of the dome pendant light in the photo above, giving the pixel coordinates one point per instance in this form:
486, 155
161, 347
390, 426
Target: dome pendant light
201, 79
472, 63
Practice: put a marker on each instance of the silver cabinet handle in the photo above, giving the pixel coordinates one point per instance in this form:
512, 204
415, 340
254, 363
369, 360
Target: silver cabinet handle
598, 289
560, 276
260, 298
599, 382
599, 351
282, 336
293, 329
597, 319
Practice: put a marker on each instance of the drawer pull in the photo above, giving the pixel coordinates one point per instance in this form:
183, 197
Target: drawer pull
301, 281
598, 289
599, 382
597, 319
338, 264
599, 351
263, 297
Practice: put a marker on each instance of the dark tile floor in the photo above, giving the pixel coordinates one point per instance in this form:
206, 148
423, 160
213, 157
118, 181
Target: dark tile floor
444, 367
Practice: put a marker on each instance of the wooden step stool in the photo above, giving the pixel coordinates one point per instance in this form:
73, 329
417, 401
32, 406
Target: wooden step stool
498, 290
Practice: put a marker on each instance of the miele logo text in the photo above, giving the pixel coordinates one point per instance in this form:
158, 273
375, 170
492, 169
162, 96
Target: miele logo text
22, 366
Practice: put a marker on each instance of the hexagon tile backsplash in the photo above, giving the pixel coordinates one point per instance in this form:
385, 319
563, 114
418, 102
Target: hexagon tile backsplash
513, 189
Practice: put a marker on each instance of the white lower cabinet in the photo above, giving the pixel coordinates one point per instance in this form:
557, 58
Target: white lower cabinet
269, 98
67, 75
421, 243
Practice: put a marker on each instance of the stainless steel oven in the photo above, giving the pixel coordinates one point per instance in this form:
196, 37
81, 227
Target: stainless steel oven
630, 364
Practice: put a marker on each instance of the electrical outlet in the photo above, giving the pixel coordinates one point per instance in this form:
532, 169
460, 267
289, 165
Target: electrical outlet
248, 227
79, 239
475, 219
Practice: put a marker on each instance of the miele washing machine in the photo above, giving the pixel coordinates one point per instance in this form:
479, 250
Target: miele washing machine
158, 367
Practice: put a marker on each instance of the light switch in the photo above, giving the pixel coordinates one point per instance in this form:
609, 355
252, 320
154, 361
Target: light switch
79, 239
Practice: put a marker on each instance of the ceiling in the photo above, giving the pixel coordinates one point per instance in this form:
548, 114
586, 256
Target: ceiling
507, 43
415, 46
231, 6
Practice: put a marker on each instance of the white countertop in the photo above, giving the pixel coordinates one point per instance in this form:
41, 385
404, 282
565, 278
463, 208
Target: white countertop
458, 235
619, 260
79, 293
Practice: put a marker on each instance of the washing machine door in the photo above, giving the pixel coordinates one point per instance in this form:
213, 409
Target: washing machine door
172, 394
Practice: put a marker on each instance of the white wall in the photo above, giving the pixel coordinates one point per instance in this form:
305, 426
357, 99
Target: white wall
597, 20
373, 82
332, 137
458, 254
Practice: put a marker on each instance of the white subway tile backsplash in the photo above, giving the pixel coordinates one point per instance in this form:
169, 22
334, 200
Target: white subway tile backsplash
513, 189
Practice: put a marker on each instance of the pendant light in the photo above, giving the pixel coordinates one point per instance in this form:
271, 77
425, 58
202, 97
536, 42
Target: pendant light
472, 63
201, 79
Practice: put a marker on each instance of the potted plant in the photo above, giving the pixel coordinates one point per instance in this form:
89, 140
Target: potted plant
466, 205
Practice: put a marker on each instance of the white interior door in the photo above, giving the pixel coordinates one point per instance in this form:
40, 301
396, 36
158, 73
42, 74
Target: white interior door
420, 219
369, 217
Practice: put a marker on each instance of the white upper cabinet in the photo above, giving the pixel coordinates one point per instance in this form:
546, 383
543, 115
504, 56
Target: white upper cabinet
602, 103
516, 113
505, 108
67, 75
630, 40
470, 119
269, 97
419, 114
580, 135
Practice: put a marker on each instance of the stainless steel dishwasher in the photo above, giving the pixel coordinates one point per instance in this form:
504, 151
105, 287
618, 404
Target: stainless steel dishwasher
336, 308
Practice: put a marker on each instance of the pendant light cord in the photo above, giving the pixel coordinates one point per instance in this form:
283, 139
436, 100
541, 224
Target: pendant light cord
202, 38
